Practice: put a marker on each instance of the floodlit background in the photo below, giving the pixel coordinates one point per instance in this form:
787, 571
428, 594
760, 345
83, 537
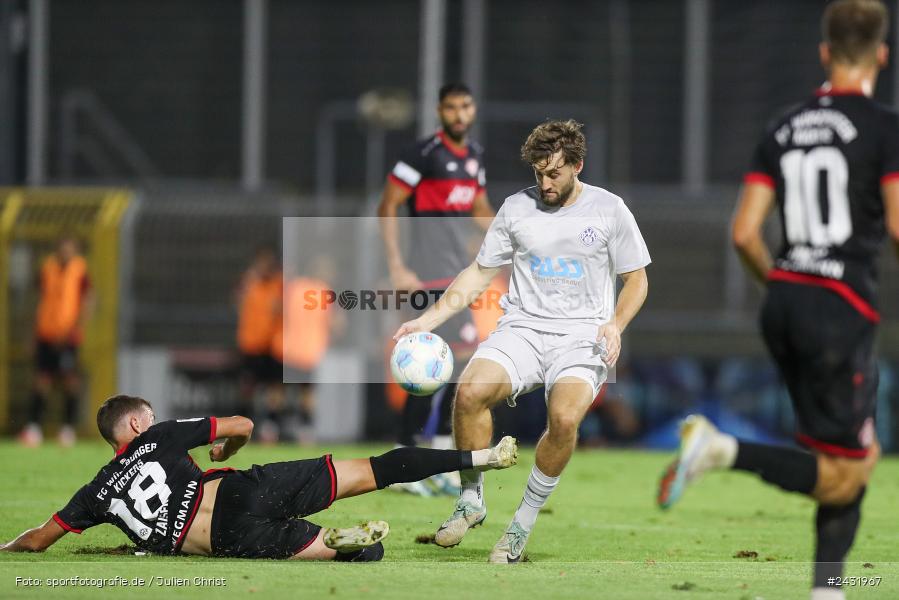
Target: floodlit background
173, 138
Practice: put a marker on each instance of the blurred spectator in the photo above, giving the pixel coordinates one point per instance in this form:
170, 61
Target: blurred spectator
302, 340
61, 313
259, 301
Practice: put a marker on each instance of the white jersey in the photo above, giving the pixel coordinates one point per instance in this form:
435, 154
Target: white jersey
564, 259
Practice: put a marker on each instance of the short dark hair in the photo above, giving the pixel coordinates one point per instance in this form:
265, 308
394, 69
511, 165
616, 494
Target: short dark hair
552, 136
113, 410
456, 88
854, 29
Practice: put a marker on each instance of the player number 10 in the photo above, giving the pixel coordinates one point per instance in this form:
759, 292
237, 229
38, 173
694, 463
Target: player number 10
802, 192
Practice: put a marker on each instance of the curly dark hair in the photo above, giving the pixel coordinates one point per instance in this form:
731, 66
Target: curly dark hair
553, 136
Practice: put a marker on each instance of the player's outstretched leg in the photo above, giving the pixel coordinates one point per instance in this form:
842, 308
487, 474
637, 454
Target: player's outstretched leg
703, 447
354, 477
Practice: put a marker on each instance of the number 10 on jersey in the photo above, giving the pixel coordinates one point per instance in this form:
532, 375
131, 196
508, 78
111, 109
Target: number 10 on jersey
814, 181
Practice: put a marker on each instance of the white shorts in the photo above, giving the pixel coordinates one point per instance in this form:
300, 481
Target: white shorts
533, 358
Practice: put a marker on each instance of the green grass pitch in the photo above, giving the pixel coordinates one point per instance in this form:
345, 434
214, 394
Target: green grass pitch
600, 536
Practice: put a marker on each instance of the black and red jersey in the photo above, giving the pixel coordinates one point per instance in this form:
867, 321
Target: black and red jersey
443, 181
442, 178
151, 490
826, 159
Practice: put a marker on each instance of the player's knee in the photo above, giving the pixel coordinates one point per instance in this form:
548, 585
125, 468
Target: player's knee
472, 397
842, 494
841, 480
563, 426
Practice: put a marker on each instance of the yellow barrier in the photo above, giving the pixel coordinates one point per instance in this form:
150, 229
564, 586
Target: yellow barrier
32, 219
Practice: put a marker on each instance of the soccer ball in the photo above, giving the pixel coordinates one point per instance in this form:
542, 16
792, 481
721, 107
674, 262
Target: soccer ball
421, 363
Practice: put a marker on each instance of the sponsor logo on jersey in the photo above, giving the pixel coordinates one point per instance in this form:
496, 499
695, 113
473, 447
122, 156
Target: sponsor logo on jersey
471, 167
452, 166
462, 195
554, 269
588, 236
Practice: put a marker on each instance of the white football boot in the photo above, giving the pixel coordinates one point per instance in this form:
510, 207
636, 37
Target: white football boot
509, 548
702, 448
468, 515
348, 539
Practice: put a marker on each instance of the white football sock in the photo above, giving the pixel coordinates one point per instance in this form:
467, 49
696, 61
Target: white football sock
472, 486
825, 593
721, 454
725, 450
442, 442
539, 487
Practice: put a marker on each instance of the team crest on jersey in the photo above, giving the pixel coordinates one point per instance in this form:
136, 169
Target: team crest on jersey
588, 236
471, 167
451, 166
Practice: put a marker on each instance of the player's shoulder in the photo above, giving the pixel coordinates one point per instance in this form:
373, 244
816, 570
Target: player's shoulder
885, 112
850, 107
601, 197
524, 200
475, 148
426, 145
785, 114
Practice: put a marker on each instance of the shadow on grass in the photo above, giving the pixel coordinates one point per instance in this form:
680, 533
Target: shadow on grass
122, 550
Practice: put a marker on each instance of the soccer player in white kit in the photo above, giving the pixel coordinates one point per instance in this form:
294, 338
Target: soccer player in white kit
566, 241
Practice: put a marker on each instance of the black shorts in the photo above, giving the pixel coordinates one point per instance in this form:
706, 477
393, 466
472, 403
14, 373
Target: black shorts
56, 360
825, 351
262, 368
257, 511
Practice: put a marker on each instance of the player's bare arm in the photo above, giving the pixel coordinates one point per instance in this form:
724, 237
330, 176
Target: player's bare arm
392, 198
37, 539
890, 191
756, 202
482, 212
465, 289
630, 300
236, 431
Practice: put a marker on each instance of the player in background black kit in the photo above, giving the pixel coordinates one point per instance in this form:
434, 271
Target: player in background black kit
441, 179
157, 495
831, 167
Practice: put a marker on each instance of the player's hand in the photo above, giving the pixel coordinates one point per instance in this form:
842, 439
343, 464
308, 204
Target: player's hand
404, 279
612, 336
218, 453
413, 326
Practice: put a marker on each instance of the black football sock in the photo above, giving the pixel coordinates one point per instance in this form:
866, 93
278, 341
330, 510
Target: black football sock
415, 415
414, 464
36, 404
71, 408
835, 527
789, 469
